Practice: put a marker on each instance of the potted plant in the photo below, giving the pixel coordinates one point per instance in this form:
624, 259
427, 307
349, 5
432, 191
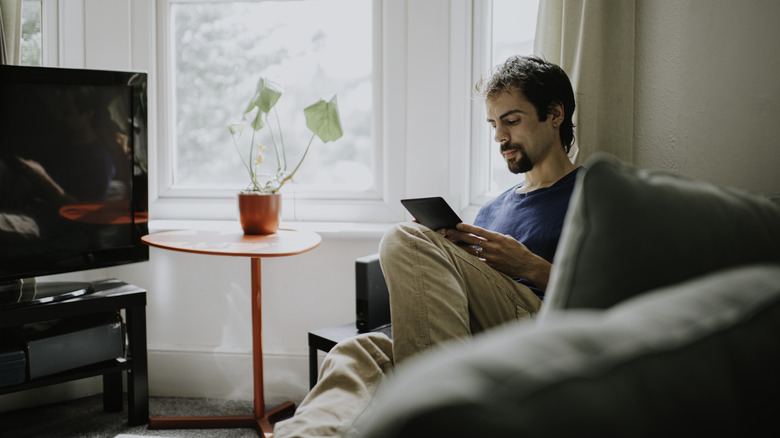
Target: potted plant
260, 203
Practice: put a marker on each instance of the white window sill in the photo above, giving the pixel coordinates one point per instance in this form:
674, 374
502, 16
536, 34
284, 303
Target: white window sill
341, 230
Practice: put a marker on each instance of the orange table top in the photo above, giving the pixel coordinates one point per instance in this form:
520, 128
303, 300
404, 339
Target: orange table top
235, 243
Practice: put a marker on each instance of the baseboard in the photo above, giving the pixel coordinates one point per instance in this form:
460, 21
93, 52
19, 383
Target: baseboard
226, 375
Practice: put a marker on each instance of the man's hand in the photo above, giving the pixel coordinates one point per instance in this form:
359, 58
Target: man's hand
502, 253
41, 178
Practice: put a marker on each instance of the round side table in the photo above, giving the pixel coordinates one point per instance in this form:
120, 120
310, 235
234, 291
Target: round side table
256, 247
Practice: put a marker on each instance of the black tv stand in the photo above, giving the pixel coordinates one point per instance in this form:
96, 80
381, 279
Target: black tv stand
49, 291
105, 296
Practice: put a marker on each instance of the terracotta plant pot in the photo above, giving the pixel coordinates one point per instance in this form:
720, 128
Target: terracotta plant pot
259, 212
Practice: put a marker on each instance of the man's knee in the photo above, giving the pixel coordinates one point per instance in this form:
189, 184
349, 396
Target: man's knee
371, 351
392, 241
397, 239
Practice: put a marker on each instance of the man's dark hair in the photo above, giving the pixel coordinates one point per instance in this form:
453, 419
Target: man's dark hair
542, 83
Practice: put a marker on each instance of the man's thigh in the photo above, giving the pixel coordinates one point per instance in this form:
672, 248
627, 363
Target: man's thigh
438, 291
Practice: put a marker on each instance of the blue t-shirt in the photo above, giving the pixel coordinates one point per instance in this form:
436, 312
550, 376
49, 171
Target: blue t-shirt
535, 218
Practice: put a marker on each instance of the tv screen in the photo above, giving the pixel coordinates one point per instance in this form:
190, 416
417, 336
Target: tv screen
73, 170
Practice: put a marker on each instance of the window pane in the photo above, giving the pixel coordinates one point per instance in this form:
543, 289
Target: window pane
514, 26
312, 48
30, 53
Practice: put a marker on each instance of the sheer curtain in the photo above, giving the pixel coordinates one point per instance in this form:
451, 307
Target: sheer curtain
10, 31
593, 41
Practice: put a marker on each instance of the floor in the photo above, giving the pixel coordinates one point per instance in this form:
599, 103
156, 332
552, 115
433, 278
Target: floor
85, 418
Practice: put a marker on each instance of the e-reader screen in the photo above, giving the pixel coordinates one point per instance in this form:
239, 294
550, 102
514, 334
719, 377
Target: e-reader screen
432, 212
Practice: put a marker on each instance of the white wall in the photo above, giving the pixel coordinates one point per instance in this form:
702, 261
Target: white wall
706, 94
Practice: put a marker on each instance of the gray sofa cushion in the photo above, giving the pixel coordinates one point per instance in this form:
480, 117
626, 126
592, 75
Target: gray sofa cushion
628, 231
695, 359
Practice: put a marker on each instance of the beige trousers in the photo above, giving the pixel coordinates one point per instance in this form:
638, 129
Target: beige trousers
348, 378
438, 293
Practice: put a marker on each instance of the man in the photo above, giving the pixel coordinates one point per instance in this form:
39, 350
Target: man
452, 283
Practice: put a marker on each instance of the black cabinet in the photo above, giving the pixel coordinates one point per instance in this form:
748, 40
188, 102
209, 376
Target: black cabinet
108, 296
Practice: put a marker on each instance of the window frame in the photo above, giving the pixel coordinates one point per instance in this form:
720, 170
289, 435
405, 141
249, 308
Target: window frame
49, 32
413, 132
481, 144
172, 201
483, 148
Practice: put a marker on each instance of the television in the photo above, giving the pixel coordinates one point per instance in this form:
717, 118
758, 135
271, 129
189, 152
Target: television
73, 176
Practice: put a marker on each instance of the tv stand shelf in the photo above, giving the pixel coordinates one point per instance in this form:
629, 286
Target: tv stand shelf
109, 295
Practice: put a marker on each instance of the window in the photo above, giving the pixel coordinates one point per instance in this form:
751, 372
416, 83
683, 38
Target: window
502, 28
31, 52
386, 73
215, 54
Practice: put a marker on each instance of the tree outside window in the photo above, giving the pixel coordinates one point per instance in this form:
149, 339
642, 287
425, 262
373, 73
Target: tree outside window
31, 45
312, 48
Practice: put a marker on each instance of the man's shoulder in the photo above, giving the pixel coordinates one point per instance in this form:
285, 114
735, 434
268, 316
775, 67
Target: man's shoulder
571, 177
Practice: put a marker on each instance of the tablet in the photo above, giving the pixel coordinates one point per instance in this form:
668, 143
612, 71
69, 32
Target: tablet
433, 212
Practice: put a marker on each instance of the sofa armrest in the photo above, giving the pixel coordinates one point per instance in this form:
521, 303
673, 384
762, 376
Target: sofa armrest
629, 230
696, 359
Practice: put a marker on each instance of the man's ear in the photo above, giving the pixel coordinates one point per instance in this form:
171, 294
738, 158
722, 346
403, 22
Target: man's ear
557, 113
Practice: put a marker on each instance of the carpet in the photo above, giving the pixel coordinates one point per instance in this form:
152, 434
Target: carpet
85, 418
125, 435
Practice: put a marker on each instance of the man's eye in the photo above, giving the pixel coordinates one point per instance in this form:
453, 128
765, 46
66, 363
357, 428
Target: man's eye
513, 122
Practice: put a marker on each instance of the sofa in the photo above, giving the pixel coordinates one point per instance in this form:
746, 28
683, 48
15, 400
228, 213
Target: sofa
662, 318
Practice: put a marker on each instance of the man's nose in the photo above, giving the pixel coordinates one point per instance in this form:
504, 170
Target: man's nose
500, 136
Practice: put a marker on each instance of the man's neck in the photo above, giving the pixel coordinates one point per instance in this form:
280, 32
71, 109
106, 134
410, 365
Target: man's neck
547, 172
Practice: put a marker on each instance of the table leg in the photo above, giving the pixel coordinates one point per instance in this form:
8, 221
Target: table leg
257, 337
265, 420
313, 367
138, 375
112, 392
262, 421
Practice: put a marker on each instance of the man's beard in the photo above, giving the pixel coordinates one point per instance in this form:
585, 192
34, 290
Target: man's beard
518, 165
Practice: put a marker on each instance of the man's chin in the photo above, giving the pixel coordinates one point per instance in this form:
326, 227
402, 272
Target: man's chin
522, 165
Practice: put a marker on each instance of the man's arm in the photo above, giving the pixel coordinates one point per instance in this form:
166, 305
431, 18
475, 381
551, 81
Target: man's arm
502, 253
44, 181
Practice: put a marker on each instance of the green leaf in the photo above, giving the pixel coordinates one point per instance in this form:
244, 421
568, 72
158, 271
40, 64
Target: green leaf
324, 121
236, 128
266, 96
257, 123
